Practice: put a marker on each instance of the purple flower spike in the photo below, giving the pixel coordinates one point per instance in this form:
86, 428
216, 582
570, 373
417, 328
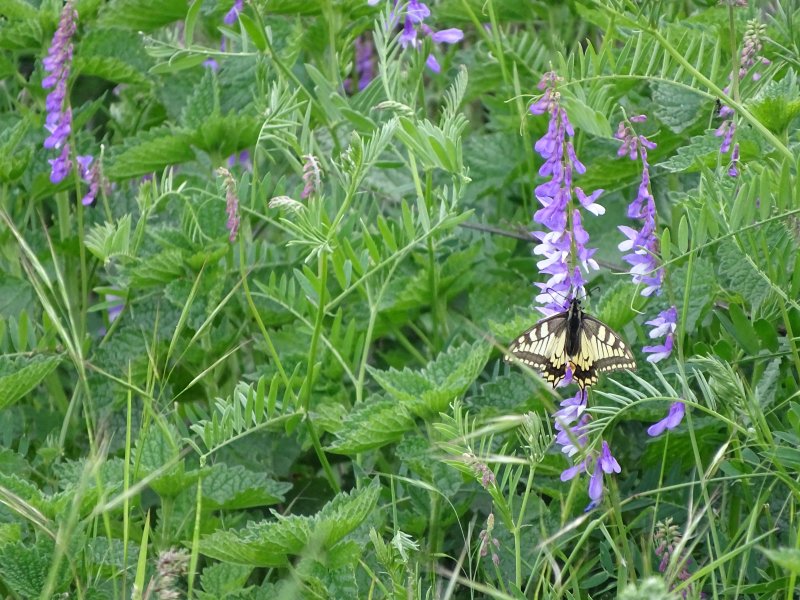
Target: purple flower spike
414, 24
58, 121
233, 14
555, 196
90, 173
671, 421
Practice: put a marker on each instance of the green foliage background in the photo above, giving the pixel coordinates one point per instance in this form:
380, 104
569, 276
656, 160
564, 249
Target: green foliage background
320, 407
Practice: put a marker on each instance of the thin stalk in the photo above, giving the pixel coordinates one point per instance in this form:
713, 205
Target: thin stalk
322, 265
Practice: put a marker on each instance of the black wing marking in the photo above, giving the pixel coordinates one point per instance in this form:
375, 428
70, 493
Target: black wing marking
600, 350
543, 347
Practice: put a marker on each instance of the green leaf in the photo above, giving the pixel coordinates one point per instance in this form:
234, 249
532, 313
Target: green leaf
148, 152
20, 374
738, 276
677, 107
254, 31
429, 391
144, 15
743, 330
24, 568
619, 305
586, 118
776, 103
222, 578
18, 9
203, 102
683, 234
110, 240
272, 543
15, 296
701, 150
700, 292
159, 451
235, 487
788, 558
374, 423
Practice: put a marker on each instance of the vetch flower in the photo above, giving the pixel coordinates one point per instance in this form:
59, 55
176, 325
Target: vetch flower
58, 121
90, 173
233, 14
733, 169
565, 232
413, 24
641, 245
664, 325
671, 421
312, 176
605, 463
488, 542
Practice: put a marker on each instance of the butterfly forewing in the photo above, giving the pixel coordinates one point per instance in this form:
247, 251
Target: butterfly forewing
572, 337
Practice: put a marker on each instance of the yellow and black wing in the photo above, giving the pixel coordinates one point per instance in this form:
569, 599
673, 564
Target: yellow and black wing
543, 347
599, 350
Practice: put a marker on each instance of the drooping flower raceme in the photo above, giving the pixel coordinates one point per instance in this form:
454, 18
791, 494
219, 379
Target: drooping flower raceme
90, 173
641, 245
564, 232
664, 325
413, 24
58, 121
671, 421
565, 256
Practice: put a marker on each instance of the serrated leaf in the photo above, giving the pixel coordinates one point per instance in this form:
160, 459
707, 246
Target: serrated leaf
236, 488
20, 374
203, 103
700, 293
164, 267
677, 107
159, 452
24, 568
619, 305
144, 15
430, 390
148, 152
15, 296
221, 578
110, 69
18, 9
272, 543
700, 151
372, 424
776, 103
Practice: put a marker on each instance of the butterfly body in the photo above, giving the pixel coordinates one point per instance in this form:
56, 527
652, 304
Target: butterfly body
572, 338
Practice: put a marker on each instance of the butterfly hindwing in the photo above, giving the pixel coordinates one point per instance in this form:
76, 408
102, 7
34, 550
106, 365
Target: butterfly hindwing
542, 347
601, 351
572, 337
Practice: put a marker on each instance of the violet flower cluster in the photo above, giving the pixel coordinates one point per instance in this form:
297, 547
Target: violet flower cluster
571, 423
748, 59
642, 248
364, 67
58, 121
413, 24
564, 237
563, 224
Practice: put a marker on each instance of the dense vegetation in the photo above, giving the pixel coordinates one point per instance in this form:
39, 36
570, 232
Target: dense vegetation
262, 262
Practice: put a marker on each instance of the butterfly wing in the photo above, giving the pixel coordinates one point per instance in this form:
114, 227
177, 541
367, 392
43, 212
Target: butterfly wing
600, 350
543, 347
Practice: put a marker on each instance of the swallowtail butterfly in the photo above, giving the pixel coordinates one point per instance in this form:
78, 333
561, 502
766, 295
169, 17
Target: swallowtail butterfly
572, 338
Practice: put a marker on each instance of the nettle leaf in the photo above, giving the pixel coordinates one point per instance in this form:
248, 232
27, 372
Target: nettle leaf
148, 152
20, 374
110, 240
24, 568
141, 15
374, 423
159, 451
429, 391
700, 294
236, 488
702, 150
227, 134
619, 305
506, 394
677, 107
16, 295
202, 104
272, 543
220, 579
776, 103
163, 267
